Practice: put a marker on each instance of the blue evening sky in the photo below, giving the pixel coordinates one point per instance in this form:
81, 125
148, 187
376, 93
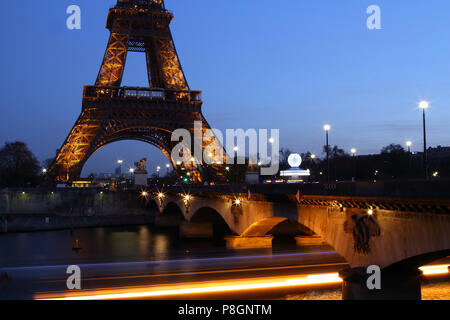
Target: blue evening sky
293, 65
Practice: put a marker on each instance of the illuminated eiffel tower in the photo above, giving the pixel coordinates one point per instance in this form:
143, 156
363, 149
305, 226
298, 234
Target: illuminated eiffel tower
113, 113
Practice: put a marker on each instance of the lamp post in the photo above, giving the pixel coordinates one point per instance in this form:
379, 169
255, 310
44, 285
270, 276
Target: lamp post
353, 152
167, 169
409, 145
424, 105
327, 128
120, 162
158, 169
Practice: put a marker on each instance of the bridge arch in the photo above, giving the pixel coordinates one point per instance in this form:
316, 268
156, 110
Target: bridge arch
276, 226
173, 210
211, 218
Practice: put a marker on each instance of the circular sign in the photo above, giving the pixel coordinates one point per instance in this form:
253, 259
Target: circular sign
295, 160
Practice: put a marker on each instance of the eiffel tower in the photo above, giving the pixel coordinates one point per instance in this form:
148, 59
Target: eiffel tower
112, 113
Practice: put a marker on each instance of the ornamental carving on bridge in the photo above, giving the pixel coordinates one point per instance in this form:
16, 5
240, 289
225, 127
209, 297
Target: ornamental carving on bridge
362, 227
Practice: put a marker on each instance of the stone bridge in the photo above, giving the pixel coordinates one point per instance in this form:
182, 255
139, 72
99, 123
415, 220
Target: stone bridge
397, 234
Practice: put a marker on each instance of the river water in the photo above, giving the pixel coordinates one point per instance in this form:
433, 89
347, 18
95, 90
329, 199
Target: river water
142, 243
112, 244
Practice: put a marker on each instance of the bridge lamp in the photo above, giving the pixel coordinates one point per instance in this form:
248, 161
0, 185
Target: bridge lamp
313, 156
237, 202
227, 168
236, 149
160, 195
131, 170
44, 170
167, 166
119, 161
187, 197
144, 193
260, 164
370, 212
353, 151
436, 174
272, 140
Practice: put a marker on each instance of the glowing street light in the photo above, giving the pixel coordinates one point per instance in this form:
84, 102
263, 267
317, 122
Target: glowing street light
313, 156
424, 105
44, 170
370, 212
131, 170
353, 151
271, 140
409, 145
119, 161
327, 129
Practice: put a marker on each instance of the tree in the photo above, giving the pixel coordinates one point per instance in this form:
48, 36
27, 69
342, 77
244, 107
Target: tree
18, 166
393, 149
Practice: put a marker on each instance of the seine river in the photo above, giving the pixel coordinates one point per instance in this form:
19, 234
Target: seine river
142, 243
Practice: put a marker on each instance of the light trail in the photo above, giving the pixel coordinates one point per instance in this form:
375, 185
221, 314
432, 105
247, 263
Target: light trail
436, 269
208, 287
217, 286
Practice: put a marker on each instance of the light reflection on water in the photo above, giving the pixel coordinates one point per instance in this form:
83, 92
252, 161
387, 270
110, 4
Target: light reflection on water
111, 244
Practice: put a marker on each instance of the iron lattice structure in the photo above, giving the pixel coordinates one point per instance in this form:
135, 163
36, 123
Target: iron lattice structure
112, 113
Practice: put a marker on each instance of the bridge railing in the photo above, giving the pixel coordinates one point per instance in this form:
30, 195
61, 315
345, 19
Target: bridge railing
141, 93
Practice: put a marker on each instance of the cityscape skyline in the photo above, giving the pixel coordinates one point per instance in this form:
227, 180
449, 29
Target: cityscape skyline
312, 67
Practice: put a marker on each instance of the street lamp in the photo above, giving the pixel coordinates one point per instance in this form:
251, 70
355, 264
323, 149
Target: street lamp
167, 169
409, 145
353, 152
158, 169
327, 129
424, 105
